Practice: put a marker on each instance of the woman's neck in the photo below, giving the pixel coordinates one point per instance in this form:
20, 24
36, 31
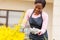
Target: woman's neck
36, 14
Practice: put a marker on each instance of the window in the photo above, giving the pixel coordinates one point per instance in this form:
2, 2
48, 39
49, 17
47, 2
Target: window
10, 17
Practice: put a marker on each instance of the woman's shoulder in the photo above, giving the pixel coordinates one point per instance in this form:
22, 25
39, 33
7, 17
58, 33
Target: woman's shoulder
29, 11
44, 14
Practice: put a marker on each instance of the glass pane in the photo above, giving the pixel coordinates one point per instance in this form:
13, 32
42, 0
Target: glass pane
3, 20
3, 13
14, 17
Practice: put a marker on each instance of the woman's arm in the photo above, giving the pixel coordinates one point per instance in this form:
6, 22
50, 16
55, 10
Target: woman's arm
45, 22
25, 19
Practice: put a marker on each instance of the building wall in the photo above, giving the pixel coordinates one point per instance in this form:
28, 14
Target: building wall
15, 5
19, 5
49, 10
56, 20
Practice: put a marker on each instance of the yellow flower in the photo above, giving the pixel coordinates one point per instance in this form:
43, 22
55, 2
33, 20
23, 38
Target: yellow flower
11, 34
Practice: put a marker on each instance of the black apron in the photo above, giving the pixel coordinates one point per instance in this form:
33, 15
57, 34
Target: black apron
37, 23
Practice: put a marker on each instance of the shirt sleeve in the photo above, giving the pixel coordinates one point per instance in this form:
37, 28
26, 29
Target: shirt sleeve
25, 19
45, 22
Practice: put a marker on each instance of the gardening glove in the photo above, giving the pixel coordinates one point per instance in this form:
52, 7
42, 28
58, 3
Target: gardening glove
34, 30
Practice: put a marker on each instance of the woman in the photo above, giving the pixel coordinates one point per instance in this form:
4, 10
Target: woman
38, 19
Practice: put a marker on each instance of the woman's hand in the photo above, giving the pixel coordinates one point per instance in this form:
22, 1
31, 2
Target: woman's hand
22, 29
39, 33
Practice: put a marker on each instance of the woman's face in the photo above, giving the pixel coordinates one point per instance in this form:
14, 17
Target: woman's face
38, 8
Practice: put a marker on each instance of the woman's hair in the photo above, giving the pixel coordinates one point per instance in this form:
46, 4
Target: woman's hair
43, 2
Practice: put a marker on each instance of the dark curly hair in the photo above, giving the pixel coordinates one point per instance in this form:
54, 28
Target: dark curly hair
43, 2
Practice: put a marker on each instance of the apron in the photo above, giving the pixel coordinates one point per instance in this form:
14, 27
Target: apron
37, 23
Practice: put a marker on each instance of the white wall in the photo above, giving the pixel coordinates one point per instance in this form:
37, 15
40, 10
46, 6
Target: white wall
56, 20
49, 10
15, 5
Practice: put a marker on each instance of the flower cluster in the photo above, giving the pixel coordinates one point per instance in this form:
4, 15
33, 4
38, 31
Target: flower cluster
8, 33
